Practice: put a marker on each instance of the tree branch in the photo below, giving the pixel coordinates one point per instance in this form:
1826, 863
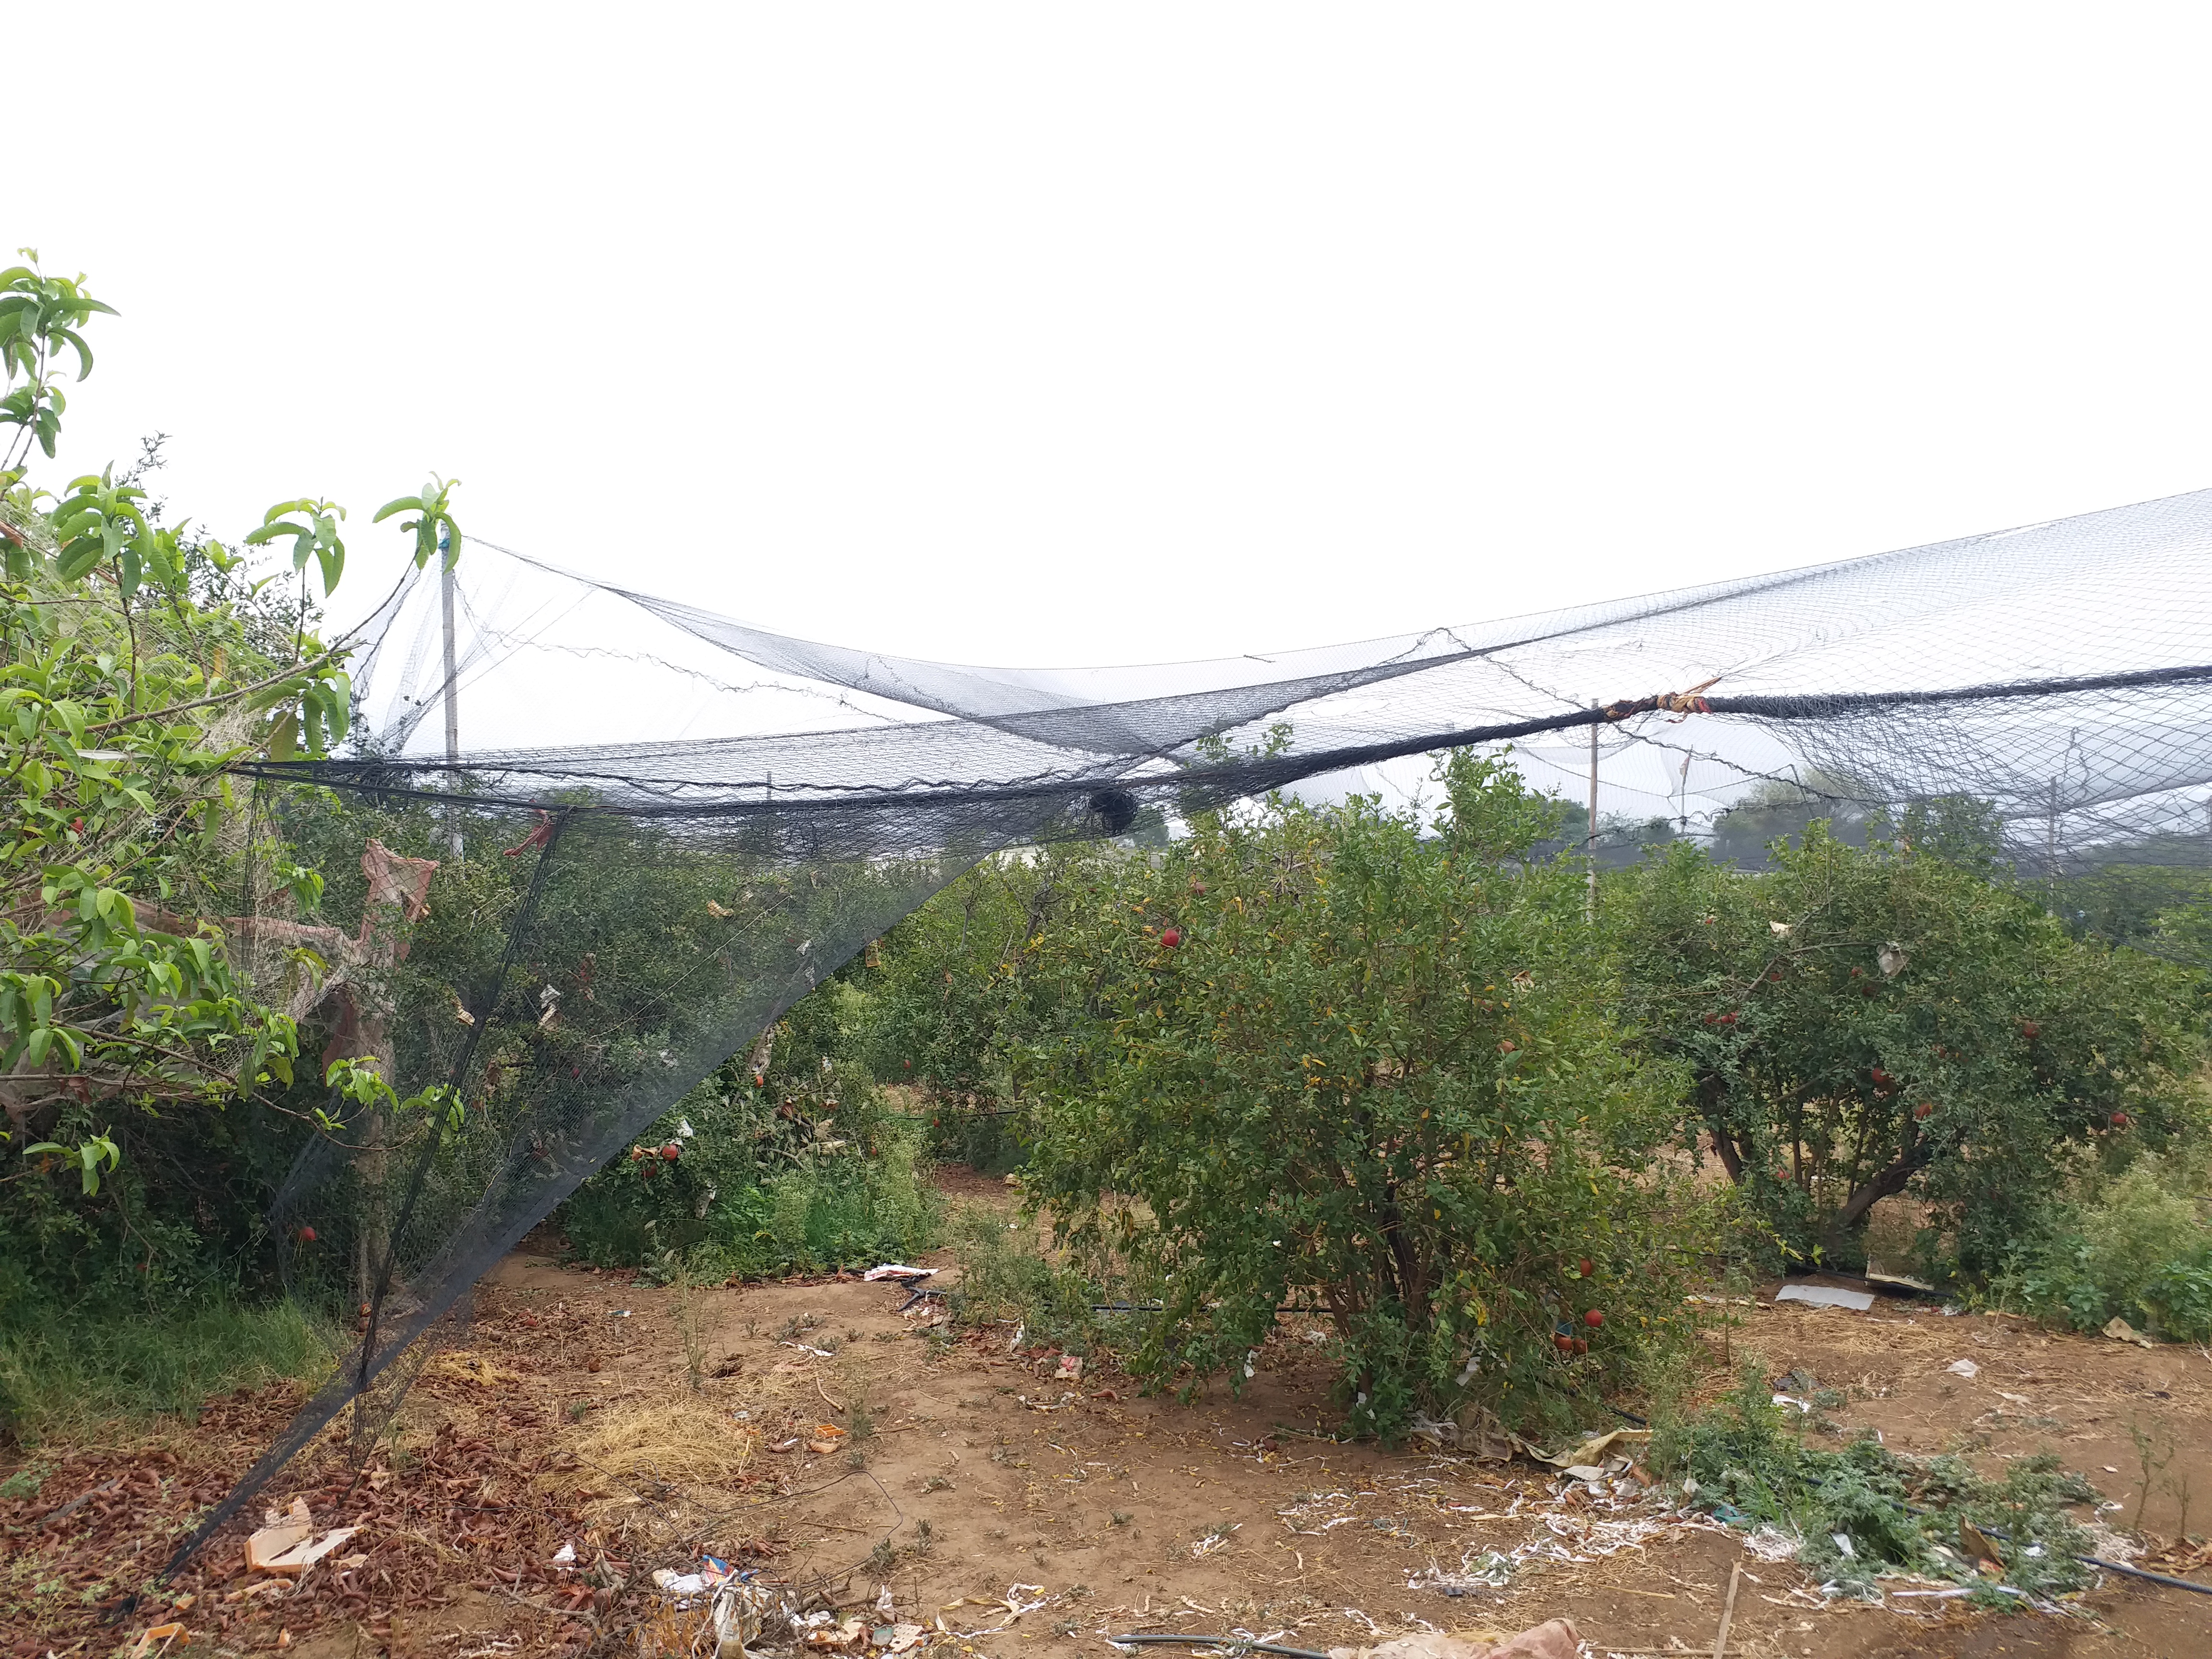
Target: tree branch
336, 651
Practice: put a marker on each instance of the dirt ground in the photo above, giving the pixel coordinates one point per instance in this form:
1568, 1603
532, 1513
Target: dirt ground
1007, 1511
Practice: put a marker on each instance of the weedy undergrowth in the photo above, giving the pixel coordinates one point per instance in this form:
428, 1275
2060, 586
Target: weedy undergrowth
75, 1374
1861, 1511
685, 1303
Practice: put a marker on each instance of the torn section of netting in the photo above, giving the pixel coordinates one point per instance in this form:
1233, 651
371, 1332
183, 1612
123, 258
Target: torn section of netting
677, 825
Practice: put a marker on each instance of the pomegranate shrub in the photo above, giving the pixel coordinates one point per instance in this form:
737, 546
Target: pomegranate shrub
1332, 1056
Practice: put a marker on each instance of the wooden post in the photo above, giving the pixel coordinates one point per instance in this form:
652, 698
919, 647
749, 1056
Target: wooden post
452, 702
1590, 840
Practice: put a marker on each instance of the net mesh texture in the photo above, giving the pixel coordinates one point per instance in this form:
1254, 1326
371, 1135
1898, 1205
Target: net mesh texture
697, 821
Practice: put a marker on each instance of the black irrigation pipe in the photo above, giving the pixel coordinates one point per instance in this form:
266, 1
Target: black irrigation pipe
2140, 1572
1229, 1642
1155, 1307
1630, 1417
957, 1111
2100, 1561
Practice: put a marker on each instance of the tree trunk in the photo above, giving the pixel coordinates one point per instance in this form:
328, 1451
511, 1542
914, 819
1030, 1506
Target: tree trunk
1711, 1091
1891, 1182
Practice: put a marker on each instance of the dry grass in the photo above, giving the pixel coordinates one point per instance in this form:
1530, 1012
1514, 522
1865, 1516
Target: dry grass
461, 1365
677, 1448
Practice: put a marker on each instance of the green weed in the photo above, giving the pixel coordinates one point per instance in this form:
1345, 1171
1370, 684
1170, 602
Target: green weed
1861, 1510
83, 1371
2136, 1244
1007, 1277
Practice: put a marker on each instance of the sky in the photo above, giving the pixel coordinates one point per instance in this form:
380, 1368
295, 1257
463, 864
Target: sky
1050, 334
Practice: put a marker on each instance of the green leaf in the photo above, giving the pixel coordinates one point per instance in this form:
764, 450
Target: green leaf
78, 558
405, 504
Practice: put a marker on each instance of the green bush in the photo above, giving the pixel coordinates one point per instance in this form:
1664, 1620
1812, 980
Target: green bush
2137, 1245
1319, 1052
988, 1139
956, 993
807, 1173
1863, 1024
1006, 1277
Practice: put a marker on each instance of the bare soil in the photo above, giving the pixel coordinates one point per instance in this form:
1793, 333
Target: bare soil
982, 1485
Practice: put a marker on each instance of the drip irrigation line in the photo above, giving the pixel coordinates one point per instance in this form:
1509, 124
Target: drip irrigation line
2099, 1561
1232, 1643
1629, 1417
1156, 1306
2144, 1573
957, 1111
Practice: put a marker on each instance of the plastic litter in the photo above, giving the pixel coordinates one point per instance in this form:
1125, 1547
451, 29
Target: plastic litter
897, 1270
1965, 1368
283, 1531
1897, 1284
1555, 1638
1825, 1296
2120, 1331
288, 1545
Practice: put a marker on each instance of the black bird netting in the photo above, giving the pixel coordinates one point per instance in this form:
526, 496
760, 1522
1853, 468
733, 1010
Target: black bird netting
680, 825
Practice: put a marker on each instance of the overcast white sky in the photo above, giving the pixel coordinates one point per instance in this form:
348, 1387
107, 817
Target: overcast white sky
1041, 333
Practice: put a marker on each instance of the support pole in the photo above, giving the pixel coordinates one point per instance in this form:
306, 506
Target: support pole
2050, 837
1590, 840
453, 694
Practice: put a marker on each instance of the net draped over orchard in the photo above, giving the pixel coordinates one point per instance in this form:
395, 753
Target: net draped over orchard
702, 820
